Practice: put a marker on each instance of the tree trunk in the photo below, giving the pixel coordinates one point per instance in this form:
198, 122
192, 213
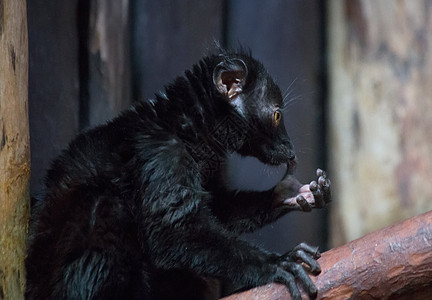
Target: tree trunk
380, 117
14, 147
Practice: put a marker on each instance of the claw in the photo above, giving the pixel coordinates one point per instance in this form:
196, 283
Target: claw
322, 194
302, 202
320, 173
313, 186
314, 251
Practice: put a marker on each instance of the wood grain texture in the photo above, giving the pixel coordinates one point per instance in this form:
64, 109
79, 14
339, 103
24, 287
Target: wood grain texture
14, 147
109, 88
380, 65
391, 263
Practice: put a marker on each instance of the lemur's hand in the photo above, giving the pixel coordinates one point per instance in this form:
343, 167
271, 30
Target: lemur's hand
313, 195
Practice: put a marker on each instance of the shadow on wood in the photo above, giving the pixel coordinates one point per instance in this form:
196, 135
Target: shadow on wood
394, 262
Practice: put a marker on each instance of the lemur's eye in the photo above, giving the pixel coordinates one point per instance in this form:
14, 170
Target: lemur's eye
277, 116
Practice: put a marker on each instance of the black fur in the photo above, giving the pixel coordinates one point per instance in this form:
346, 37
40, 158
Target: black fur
136, 208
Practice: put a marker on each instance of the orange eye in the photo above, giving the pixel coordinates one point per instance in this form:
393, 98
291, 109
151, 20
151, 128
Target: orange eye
277, 116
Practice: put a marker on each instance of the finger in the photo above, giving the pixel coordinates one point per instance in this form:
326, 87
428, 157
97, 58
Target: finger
289, 280
299, 273
304, 205
320, 173
326, 191
307, 256
313, 186
291, 203
309, 263
314, 251
319, 198
321, 180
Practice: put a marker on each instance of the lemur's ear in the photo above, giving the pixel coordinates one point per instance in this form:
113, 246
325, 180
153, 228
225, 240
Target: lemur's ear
229, 77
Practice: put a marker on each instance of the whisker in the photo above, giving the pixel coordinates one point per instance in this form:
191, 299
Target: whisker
305, 150
287, 100
287, 93
291, 84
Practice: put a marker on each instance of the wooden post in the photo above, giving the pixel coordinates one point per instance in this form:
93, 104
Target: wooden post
14, 147
108, 60
380, 65
392, 263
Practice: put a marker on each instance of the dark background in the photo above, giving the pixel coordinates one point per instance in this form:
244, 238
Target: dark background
91, 59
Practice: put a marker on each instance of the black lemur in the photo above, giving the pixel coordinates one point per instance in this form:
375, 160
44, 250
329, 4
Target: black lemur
137, 209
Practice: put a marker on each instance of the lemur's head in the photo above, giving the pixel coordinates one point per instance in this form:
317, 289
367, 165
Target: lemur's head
248, 88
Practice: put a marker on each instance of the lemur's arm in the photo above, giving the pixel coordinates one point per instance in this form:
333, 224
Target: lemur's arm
247, 211
183, 236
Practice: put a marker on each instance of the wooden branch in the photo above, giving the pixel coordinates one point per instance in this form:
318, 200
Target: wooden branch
394, 262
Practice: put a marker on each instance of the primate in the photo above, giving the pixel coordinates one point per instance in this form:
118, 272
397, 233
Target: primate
137, 208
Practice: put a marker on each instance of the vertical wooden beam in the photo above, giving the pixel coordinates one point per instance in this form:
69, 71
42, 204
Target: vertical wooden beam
109, 60
14, 147
380, 113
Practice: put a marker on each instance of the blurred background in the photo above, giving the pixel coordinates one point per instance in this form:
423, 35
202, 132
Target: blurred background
358, 73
